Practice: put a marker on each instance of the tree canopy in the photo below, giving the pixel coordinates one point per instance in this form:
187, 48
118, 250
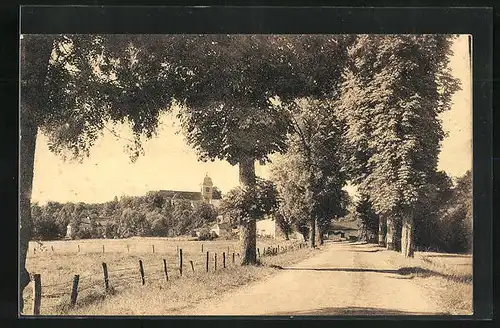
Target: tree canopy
228, 114
395, 86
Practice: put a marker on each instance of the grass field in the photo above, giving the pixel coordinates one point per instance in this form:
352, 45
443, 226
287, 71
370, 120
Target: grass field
447, 276
61, 260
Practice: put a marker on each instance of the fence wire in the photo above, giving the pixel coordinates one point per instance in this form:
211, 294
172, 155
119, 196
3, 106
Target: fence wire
125, 278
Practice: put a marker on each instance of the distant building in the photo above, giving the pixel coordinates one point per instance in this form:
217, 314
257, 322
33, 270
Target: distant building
270, 228
221, 228
266, 228
86, 224
343, 230
69, 232
205, 195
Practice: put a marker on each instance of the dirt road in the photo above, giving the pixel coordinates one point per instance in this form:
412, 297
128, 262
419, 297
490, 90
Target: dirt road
343, 279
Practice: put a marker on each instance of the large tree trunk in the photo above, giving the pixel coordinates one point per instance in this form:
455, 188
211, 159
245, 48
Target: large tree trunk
397, 234
312, 233
35, 54
27, 157
309, 197
391, 229
319, 233
382, 230
248, 226
407, 247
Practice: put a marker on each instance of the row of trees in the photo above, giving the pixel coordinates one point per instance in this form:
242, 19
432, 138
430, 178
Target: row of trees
443, 223
386, 90
151, 215
393, 90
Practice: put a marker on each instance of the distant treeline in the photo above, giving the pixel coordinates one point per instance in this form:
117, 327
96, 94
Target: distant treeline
127, 216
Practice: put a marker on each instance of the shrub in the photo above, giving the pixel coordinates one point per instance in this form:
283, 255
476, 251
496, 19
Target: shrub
229, 236
205, 234
46, 230
159, 228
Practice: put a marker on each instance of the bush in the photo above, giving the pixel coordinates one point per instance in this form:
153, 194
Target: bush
205, 234
46, 230
83, 234
159, 228
229, 236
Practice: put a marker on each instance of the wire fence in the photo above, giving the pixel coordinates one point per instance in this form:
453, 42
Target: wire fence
112, 278
95, 246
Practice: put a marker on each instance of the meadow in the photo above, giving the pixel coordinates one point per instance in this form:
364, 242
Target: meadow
58, 261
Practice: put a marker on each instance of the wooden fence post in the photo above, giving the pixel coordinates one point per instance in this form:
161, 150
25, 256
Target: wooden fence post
37, 293
233, 257
192, 265
206, 263
202, 248
52, 247
74, 290
223, 260
165, 268
141, 269
105, 272
180, 261
78, 248
258, 252
153, 248
215, 262
103, 248
128, 250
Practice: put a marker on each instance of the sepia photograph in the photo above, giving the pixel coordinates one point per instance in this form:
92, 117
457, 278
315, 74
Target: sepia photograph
245, 175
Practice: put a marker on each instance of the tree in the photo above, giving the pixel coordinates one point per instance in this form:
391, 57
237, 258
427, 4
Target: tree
159, 227
133, 223
285, 223
318, 146
394, 88
71, 85
232, 119
456, 221
204, 214
250, 204
182, 216
290, 184
430, 210
216, 193
369, 219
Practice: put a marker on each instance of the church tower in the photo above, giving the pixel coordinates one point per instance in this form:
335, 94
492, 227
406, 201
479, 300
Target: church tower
206, 190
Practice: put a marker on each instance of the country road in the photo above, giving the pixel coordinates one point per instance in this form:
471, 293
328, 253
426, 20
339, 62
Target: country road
342, 279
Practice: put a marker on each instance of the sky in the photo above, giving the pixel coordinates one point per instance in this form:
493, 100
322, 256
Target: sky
169, 163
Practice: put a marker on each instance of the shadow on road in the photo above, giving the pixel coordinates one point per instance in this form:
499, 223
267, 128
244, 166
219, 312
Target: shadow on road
402, 271
465, 256
357, 311
366, 251
405, 271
